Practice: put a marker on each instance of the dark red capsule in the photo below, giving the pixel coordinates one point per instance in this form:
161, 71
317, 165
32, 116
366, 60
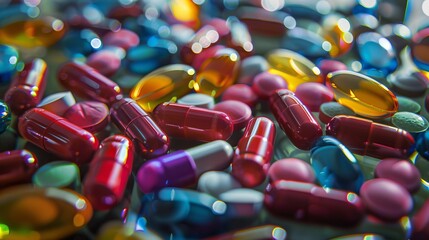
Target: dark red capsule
16, 166
365, 137
295, 119
86, 82
136, 124
58, 136
27, 89
254, 151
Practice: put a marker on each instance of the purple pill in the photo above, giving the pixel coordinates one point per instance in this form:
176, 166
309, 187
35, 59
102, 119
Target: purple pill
312, 95
403, 172
265, 83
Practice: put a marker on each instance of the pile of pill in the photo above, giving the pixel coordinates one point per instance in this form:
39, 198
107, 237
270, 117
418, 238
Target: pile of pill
214, 119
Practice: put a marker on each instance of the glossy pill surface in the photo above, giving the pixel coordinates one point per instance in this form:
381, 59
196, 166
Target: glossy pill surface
336, 31
410, 85
376, 51
362, 94
419, 46
137, 125
197, 100
291, 169
190, 122
56, 135
86, 82
401, 171
162, 85
386, 199
106, 62
272, 232
8, 60
216, 183
420, 223
17, 166
123, 38
312, 95
265, 83
410, 122
89, 115
307, 201
239, 113
295, 119
47, 213
58, 103
107, 178
254, 152
58, 174
331, 109
242, 93
5, 116
365, 137
28, 87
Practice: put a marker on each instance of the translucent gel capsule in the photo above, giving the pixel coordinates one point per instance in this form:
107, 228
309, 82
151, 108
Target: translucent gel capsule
186, 12
336, 30
162, 85
362, 94
56, 135
419, 47
295, 119
193, 123
254, 152
84, 81
28, 87
376, 51
17, 166
8, 60
293, 67
31, 33
217, 73
42, 213
5, 116
366, 137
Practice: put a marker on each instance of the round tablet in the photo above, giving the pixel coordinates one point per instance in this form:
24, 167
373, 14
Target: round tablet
242, 93
312, 95
89, 115
408, 105
410, 122
250, 67
122, 38
239, 113
58, 103
292, 169
197, 100
331, 109
328, 65
216, 183
57, 174
400, 171
265, 83
386, 199
413, 85
105, 62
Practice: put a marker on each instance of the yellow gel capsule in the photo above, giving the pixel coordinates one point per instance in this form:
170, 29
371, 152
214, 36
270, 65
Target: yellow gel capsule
166, 84
362, 94
42, 213
30, 33
218, 72
186, 11
337, 32
293, 67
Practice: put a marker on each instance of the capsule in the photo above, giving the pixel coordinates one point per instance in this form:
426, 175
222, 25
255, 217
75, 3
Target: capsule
189, 122
182, 168
366, 137
27, 89
162, 85
56, 135
137, 125
336, 30
254, 151
362, 94
218, 72
307, 201
17, 166
86, 82
108, 174
205, 38
419, 46
295, 119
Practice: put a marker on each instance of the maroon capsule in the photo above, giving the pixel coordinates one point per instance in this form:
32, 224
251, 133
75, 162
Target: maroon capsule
58, 136
136, 124
307, 201
86, 82
295, 119
194, 123
365, 137
27, 89
254, 151
16, 166
109, 171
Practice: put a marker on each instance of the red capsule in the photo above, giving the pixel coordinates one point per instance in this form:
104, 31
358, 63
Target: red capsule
16, 166
86, 82
109, 171
365, 137
254, 151
420, 223
56, 135
206, 37
193, 123
295, 119
136, 124
27, 89
307, 201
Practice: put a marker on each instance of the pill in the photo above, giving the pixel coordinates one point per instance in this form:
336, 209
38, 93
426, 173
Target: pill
250, 67
216, 183
8, 61
123, 38
295, 119
105, 61
258, 232
376, 51
365, 137
408, 105
327, 66
56, 135
89, 115
203, 39
305, 42
254, 152
329, 110
5, 116
137, 125
58, 174
270, 23
239, 37
204, 55
410, 85
144, 59
242, 203
239, 113
386, 199
312, 95
197, 100
400, 171
182, 168
418, 47
265, 83
58, 103
242, 93
336, 31
78, 43
28, 87
18, 166
420, 223
107, 178
410, 122
189, 122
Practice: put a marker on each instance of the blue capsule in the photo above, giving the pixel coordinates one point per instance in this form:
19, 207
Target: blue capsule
81, 43
5, 116
8, 60
335, 166
306, 43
